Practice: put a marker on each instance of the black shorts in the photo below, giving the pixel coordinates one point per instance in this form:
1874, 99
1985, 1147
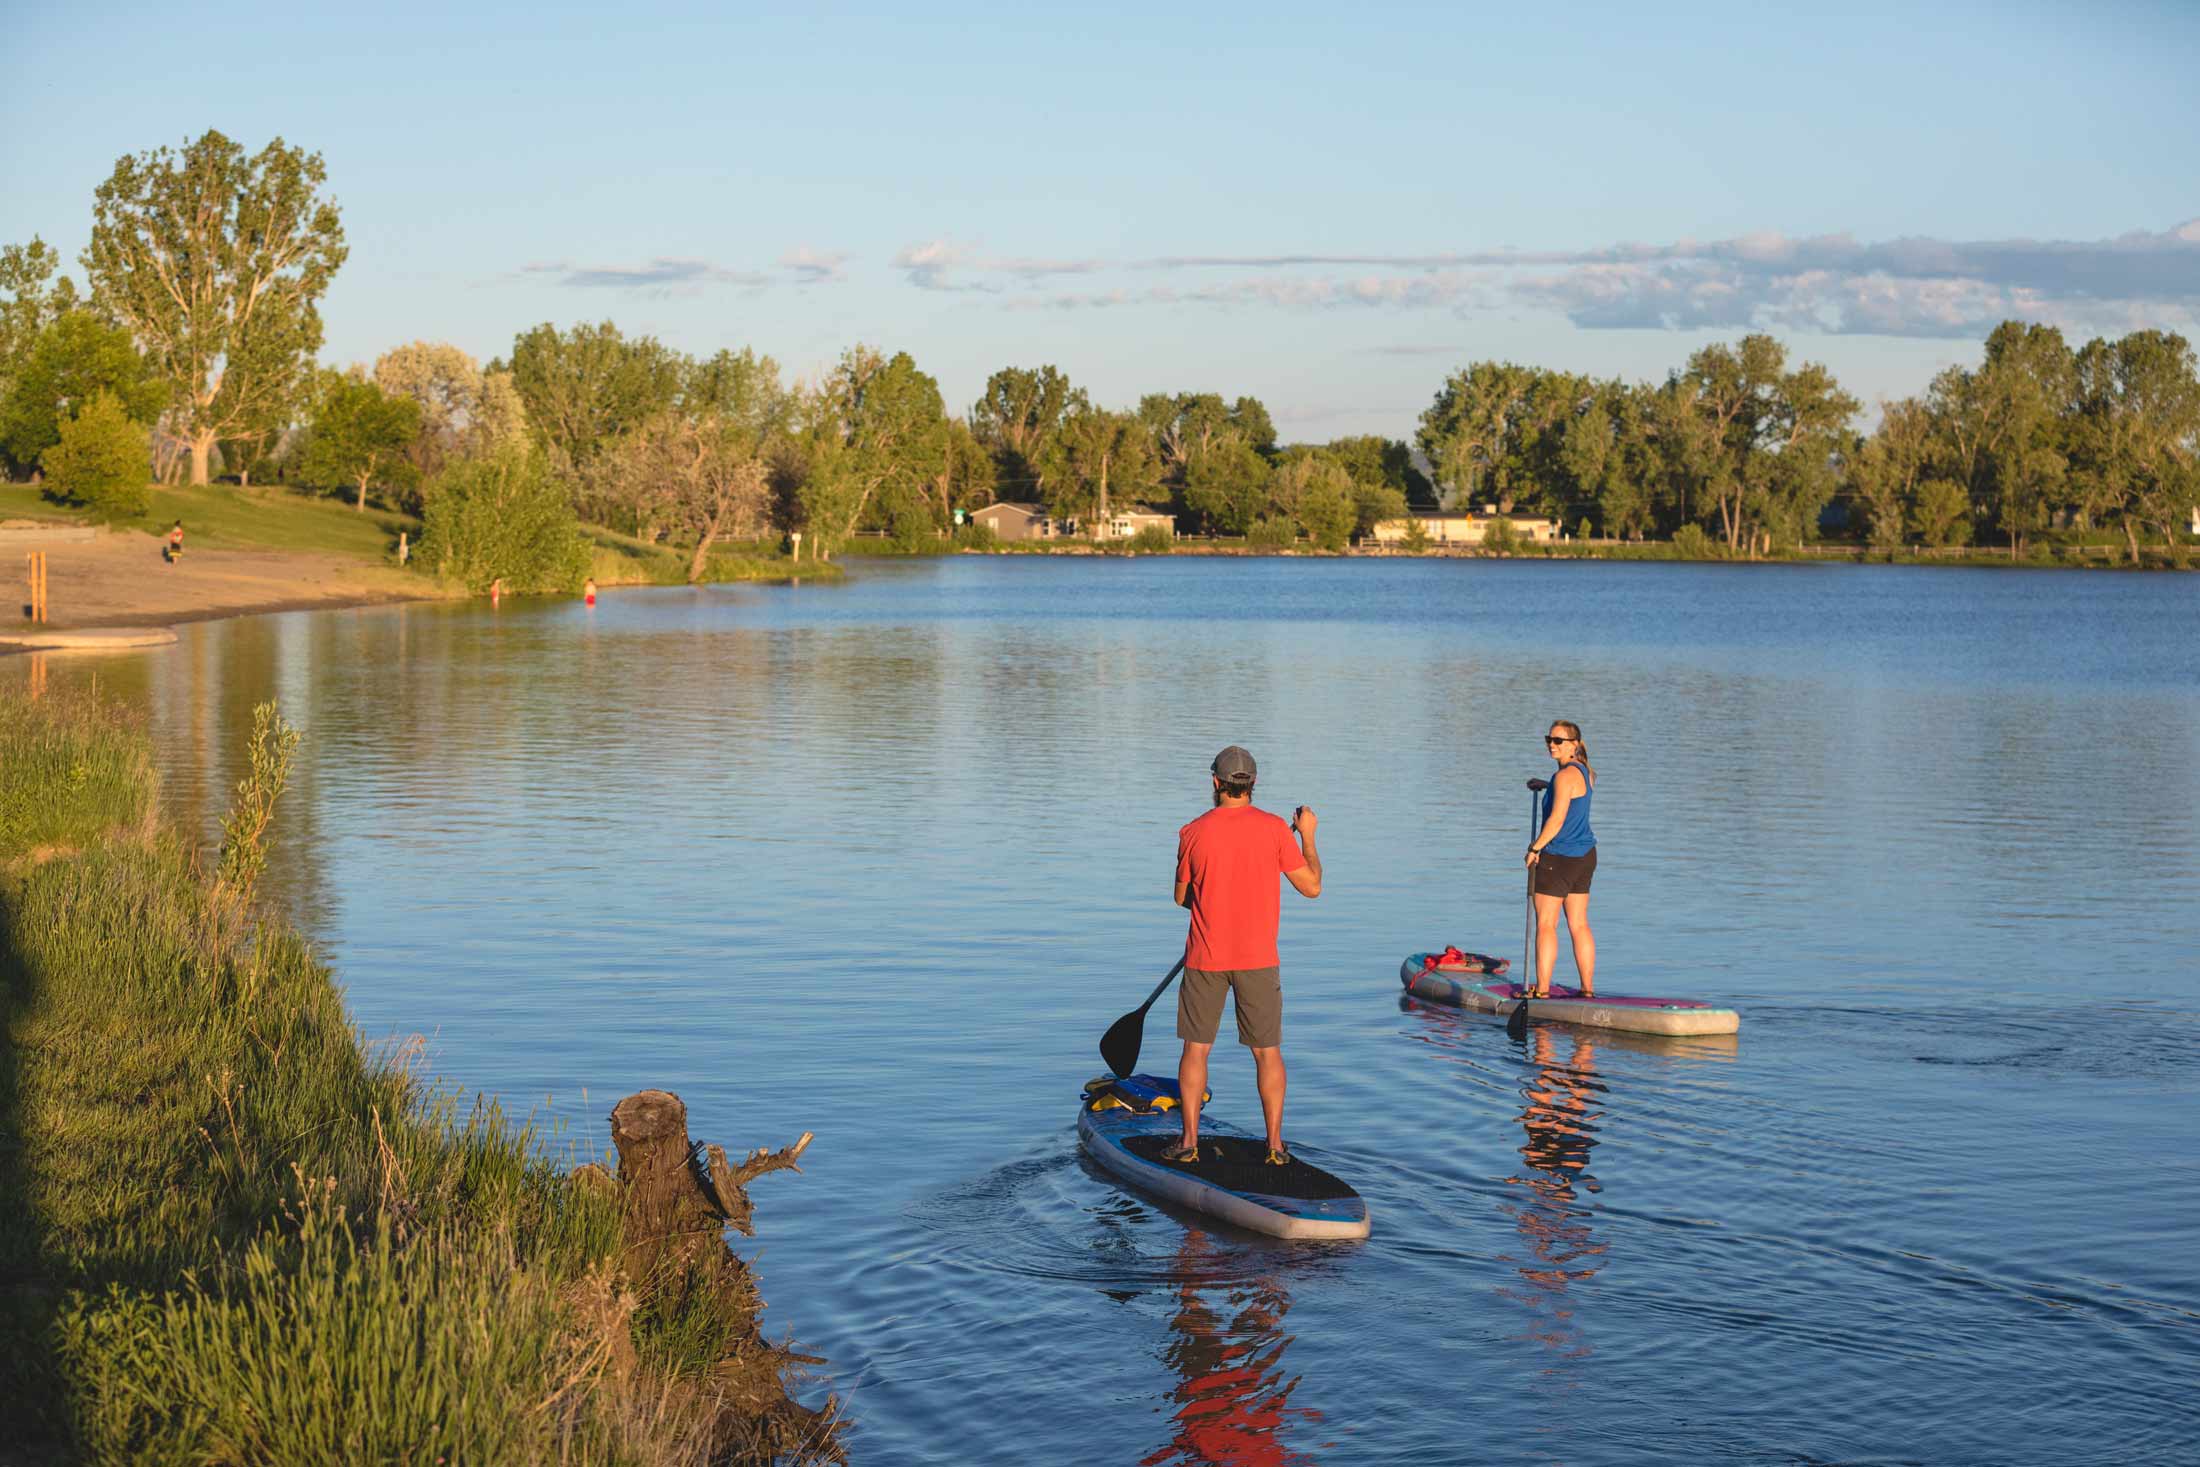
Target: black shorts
1559, 876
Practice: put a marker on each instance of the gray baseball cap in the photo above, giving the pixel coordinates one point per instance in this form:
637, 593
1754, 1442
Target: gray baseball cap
1234, 766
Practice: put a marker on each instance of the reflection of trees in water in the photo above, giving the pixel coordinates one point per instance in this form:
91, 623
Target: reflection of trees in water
1551, 1212
1232, 1401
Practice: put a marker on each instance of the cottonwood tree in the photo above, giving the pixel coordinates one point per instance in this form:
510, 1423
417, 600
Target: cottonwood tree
1094, 455
2137, 434
879, 434
585, 387
1887, 469
1470, 430
360, 435
1017, 418
217, 262
1313, 491
694, 477
1768, 464
1226, 484
446, 382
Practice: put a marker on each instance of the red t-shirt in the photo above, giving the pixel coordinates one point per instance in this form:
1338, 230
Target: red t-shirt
1233, 857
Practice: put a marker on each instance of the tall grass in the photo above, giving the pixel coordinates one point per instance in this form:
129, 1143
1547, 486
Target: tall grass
228, 1234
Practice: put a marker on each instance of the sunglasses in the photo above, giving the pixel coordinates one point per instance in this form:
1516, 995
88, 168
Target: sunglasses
1556, 739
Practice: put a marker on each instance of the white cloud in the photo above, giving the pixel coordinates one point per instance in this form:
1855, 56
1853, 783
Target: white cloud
815, 267
1819, 283
661, 276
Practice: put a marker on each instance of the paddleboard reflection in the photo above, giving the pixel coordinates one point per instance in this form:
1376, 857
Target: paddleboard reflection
1561, 1095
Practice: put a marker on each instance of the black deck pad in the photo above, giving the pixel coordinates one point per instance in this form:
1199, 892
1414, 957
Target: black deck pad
1238, 1164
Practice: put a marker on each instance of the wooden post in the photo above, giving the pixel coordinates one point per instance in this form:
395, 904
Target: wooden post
38, 585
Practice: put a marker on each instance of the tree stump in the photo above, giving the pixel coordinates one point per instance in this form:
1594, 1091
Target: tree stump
675, 1201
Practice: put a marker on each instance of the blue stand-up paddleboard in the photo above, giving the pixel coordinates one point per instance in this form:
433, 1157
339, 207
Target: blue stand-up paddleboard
1126, 1124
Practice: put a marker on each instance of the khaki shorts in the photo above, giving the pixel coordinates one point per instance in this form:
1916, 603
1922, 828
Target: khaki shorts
1259, 1005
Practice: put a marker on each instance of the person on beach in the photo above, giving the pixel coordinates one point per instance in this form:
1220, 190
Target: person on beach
174, 549
1227, 865
1563, 858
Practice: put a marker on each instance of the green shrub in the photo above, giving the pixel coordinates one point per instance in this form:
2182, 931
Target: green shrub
1152, 540
503, 516
1691, 543
1498, 536
103, 460
974, 536
1416, 541
1272, 532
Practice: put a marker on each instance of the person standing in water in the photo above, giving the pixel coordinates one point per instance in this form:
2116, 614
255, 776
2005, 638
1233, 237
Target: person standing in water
1227, 865
1563, 858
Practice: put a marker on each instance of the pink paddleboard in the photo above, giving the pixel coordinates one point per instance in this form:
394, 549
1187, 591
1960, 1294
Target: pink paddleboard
1492, 993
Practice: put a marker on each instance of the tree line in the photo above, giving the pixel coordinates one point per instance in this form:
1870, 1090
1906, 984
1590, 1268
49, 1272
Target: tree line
1736, 442
195, 347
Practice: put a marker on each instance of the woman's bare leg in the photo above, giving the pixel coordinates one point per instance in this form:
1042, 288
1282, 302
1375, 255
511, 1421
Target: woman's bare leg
1585, 941
1546, 939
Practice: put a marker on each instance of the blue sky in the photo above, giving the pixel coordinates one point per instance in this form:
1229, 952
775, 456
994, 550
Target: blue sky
1329, 208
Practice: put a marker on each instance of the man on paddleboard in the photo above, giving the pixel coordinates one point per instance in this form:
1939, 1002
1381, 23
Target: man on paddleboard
1227, 865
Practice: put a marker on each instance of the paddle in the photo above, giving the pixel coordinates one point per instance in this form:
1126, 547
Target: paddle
1119, 1046
1516, 1023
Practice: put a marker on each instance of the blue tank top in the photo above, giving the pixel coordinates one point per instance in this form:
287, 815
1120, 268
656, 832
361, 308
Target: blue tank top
1574, 837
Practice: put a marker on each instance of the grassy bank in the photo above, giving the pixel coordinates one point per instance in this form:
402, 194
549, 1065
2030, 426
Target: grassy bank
622, 560
228, 1234
227, 516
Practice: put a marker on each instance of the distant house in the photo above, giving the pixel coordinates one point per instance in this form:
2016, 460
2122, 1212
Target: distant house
1009, 521
1465, 529
1125, 523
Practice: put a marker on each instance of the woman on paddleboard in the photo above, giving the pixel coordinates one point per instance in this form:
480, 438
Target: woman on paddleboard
1562, 858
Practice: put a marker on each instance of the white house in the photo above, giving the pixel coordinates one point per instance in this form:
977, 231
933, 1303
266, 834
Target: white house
1464, 529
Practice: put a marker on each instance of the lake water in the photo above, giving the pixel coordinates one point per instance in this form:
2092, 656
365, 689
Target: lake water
882, 859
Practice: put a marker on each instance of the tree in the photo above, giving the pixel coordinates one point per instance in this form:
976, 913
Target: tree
446, 383
1387, 462
1887, 470
699, 476
503, 517
1314, 491
1471, 430
75, 358
2028, 383
500, 418
879, 439
217, 263
32, 304
966, 479
1943, 513
101, 459
584, 387
1226, 484
2137, 435
359, 435
1767, 464
1017, 418
1096, 453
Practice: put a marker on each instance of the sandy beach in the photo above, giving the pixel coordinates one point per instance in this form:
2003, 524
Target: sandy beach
119, 579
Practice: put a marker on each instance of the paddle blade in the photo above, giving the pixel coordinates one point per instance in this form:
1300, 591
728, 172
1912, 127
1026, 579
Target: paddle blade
1516, 1022
1119, 1046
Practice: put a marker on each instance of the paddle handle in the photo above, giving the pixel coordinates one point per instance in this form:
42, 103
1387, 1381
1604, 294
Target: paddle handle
1164, 983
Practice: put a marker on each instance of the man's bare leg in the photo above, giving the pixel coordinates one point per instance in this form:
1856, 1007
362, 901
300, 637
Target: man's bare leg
1268, 1070
1191, 1083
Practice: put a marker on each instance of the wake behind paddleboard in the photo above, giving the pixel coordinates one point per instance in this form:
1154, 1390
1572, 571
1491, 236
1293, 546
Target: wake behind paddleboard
1125, 1125
1491, 993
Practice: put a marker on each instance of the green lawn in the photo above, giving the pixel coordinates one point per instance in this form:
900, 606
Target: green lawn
225, 516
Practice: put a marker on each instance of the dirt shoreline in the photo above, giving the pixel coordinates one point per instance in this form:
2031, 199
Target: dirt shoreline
119, 579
